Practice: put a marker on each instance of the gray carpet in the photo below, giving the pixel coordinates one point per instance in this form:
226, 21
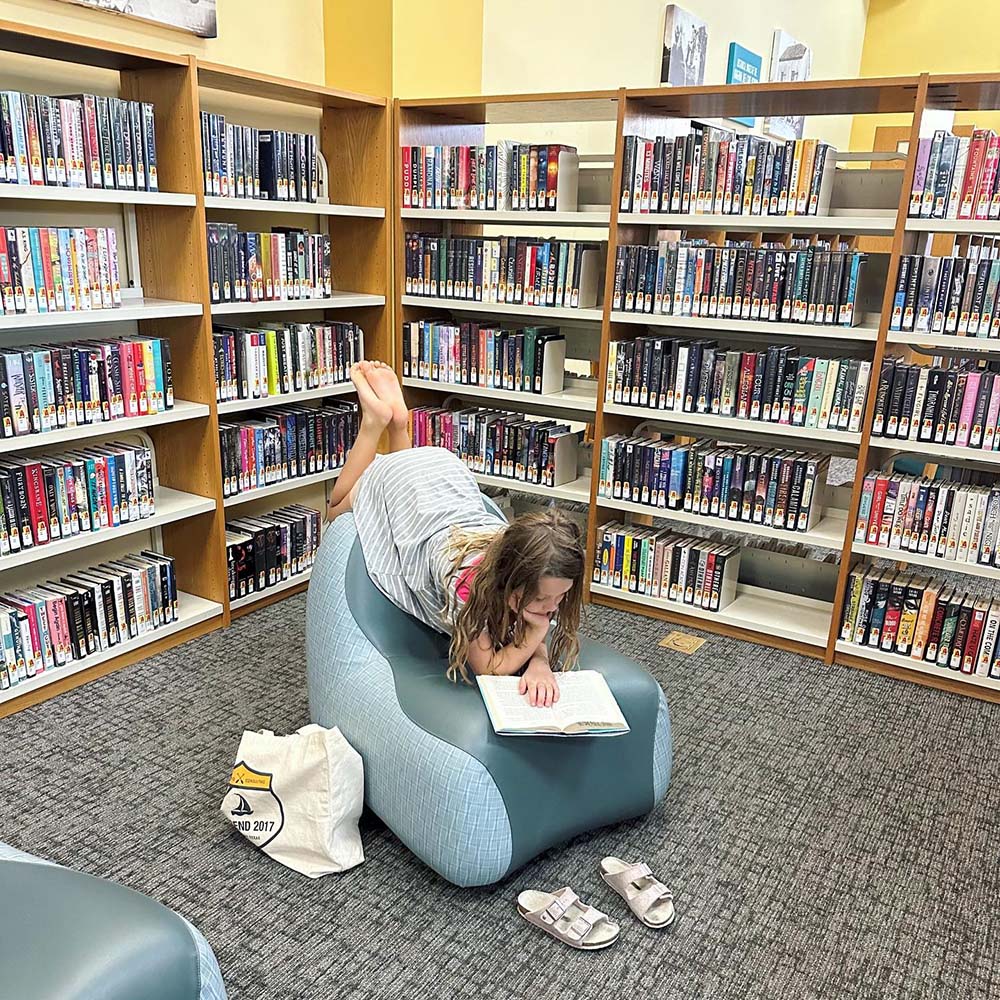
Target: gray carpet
828, 834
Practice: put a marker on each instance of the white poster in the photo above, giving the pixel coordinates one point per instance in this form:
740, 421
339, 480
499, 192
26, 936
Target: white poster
685, 48
790, 61
196, 16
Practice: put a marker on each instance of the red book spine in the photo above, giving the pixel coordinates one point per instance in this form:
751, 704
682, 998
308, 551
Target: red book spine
129, 393
91, 142
706, 587
984, 192
407, 175
36, 662
141, 385
878, 505
973, 171
37, 506
647, 175
971, 652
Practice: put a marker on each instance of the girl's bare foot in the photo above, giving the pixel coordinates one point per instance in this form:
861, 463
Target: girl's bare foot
386, 386
375, 412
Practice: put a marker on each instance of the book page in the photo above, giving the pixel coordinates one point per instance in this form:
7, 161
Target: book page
509, 709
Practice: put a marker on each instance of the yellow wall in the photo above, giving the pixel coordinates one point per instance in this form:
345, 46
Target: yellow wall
437, 48
251, 34
358, 42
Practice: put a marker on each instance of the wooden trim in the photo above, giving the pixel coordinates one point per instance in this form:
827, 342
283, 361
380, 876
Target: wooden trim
235, 80
485, 99
942, 683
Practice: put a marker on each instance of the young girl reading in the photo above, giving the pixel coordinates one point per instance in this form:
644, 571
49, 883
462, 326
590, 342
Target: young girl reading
437, 553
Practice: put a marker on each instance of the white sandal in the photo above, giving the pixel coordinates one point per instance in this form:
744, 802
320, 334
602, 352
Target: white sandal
647, 897
568, 919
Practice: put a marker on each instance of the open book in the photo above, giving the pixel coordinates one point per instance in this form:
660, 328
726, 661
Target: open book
586, 707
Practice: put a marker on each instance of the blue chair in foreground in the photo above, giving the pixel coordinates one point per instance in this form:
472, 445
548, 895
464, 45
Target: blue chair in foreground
472, 805
71, 936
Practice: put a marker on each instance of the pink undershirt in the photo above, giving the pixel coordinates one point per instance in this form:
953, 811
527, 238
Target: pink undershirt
463, 582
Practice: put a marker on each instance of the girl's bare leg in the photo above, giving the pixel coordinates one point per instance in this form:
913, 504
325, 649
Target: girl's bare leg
375, 417
383, 380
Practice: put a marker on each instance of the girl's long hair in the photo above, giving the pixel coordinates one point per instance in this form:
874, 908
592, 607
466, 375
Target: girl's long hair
547, 543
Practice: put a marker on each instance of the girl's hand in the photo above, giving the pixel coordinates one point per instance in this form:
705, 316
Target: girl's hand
538, 682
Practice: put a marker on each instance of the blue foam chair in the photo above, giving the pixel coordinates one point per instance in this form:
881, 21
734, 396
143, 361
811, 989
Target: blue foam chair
472, 805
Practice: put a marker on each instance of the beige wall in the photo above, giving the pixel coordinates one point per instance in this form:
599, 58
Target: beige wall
280, 37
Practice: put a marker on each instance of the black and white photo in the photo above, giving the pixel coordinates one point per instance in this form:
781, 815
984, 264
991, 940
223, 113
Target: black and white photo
685, 48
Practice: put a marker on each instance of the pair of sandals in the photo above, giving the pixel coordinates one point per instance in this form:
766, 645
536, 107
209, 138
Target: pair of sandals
567, 918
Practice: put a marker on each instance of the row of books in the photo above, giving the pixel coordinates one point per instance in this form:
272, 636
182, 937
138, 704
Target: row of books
953, 404
284, 264
739, 281
715, 171
664, 564
45, 388
52, 624
58, 496
532, 359
85, 140
506, 176
772, 487
956, 521
500, 443
286, 443
923, 618
777, 386
241, 161
956, 294
267, 549
274, 359
47, 270
507, 269
956, 177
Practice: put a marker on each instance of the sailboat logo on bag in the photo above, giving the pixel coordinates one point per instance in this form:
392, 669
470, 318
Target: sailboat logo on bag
252, 805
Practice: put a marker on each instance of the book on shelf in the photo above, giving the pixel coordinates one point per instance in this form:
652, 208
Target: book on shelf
716, 171
46, 388
775, 488
769, 283
956, 294
505, 176
242, 161
516, 270
46, 498
79, 141
501, 443
777, 385
285, 264
56, 622
288, 442
955, 177
59, 269
660, 563
922, 617
274, 359
957, 520
530, 359
586, 707
269, 548
953, 403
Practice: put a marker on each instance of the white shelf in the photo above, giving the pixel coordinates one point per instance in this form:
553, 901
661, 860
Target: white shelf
985, 227
93, 196
294, 207
535, 218
303, 395
921, 666
259, 595
132, 310
866, 332
171, 505
919, 559
944, 451
711, 421
947, 341
181, 410
770, 612
827, 534
862, 225
577, 491
569, 399
339, 300
505, 309
191, 610
283, 487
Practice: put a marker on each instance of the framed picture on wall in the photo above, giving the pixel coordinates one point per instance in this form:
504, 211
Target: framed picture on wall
195, 16
685, 48
791, 61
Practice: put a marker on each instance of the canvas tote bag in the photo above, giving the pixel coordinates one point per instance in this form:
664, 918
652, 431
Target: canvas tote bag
298, 798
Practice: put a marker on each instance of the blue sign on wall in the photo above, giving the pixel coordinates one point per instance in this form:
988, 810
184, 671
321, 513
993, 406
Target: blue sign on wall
744, 67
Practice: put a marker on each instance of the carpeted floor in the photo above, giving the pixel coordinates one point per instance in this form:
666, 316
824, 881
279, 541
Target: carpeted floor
828, 834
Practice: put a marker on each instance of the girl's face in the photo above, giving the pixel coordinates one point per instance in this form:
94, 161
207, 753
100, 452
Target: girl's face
551, 591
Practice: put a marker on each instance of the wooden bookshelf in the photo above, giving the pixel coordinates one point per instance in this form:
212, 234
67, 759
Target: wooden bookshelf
168, 296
